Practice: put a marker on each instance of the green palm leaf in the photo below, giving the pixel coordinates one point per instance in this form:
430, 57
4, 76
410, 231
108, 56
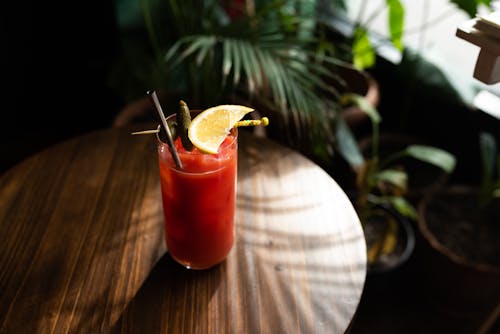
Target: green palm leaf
227, 62
253, 69
262, 56
236, 62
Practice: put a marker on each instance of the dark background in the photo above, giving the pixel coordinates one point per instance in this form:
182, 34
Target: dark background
56, 57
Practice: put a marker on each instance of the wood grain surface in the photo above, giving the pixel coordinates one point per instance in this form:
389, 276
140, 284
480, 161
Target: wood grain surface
82, 246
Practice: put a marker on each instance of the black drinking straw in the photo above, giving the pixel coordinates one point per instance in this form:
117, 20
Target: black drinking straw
170, 141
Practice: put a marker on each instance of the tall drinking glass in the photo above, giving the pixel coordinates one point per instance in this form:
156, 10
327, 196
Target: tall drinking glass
199, 201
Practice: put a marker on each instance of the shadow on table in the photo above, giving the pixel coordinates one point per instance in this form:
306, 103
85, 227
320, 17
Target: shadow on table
172, 299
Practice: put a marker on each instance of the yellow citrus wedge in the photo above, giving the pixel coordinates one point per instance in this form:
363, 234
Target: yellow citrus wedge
210, 127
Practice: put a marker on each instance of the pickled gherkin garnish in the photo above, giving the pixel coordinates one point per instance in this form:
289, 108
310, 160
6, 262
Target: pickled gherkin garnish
183, 123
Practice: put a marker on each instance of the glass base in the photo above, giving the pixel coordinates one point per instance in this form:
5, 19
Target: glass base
191, 266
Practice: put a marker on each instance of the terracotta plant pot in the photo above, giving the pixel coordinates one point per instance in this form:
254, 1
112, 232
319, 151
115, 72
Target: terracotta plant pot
452, 281
361, 83
141, 110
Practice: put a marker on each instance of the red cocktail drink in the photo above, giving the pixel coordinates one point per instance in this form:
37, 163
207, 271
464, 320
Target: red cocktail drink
199, 202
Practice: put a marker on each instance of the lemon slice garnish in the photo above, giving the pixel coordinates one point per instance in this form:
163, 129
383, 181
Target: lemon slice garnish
210, 127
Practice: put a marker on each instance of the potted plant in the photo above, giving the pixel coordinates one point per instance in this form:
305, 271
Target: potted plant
381, 184
273, 55
460, 250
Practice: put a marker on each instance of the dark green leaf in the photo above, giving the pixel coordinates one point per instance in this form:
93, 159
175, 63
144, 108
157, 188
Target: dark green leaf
347, 145
176, 54
227, 62
173, 50
403, 207
247, 66
470, 6
488, 147
197, 43
236, 56
255, 71
435, 156
363, 104
338, 4
206, 46
395, 177
276, 81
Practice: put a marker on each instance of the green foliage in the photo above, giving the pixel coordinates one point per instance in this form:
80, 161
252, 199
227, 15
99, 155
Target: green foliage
347, 145
470, 6
274, 57
363, 49
361, 102
400, 204
253, 54
490, 162
379, 179
395, 177
396, 22
431, 155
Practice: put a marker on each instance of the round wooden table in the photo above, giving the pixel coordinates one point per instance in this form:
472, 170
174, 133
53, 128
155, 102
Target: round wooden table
82, 246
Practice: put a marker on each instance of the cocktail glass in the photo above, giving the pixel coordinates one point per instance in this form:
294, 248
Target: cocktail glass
199, 201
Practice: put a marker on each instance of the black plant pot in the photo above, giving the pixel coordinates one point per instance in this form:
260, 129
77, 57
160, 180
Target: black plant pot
384, 277
406, 245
